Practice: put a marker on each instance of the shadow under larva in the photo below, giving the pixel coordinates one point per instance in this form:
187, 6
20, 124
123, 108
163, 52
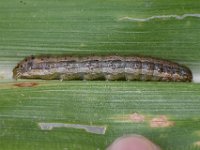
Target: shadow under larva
101, 68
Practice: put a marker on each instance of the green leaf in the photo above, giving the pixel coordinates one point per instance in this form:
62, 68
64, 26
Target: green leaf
163, 29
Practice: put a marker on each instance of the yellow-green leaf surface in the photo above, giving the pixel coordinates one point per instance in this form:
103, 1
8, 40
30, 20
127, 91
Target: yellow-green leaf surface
164, 29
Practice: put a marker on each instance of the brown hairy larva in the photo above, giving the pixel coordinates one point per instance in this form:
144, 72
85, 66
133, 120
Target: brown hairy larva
101, 68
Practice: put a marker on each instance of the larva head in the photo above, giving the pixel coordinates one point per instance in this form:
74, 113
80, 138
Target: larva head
22, 68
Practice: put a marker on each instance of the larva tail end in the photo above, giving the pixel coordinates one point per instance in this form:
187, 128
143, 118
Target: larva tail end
189, 76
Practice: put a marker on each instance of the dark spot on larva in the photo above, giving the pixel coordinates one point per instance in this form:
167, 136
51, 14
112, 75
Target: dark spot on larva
30, 64
26, 84
32, 57
175, 70
151, 66
26, 59
166, 69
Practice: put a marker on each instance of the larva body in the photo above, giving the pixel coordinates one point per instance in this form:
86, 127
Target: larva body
101, 68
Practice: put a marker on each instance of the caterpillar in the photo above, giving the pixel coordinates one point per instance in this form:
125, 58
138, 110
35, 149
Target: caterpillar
101, 68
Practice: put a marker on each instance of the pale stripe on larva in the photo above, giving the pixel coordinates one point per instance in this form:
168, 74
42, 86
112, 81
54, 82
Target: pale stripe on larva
101, 68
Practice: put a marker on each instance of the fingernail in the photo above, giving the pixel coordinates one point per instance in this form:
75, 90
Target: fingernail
133, 142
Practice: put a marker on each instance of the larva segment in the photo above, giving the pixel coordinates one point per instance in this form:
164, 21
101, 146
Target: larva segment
147, 70
113, 69
101, 68
133, 70
157, 72
90, 70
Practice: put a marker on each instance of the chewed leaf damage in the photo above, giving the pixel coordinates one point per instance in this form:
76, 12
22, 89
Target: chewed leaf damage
87, 128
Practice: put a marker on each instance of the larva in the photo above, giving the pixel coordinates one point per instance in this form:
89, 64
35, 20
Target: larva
101, 68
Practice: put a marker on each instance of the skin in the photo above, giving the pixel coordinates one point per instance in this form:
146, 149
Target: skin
133, 142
